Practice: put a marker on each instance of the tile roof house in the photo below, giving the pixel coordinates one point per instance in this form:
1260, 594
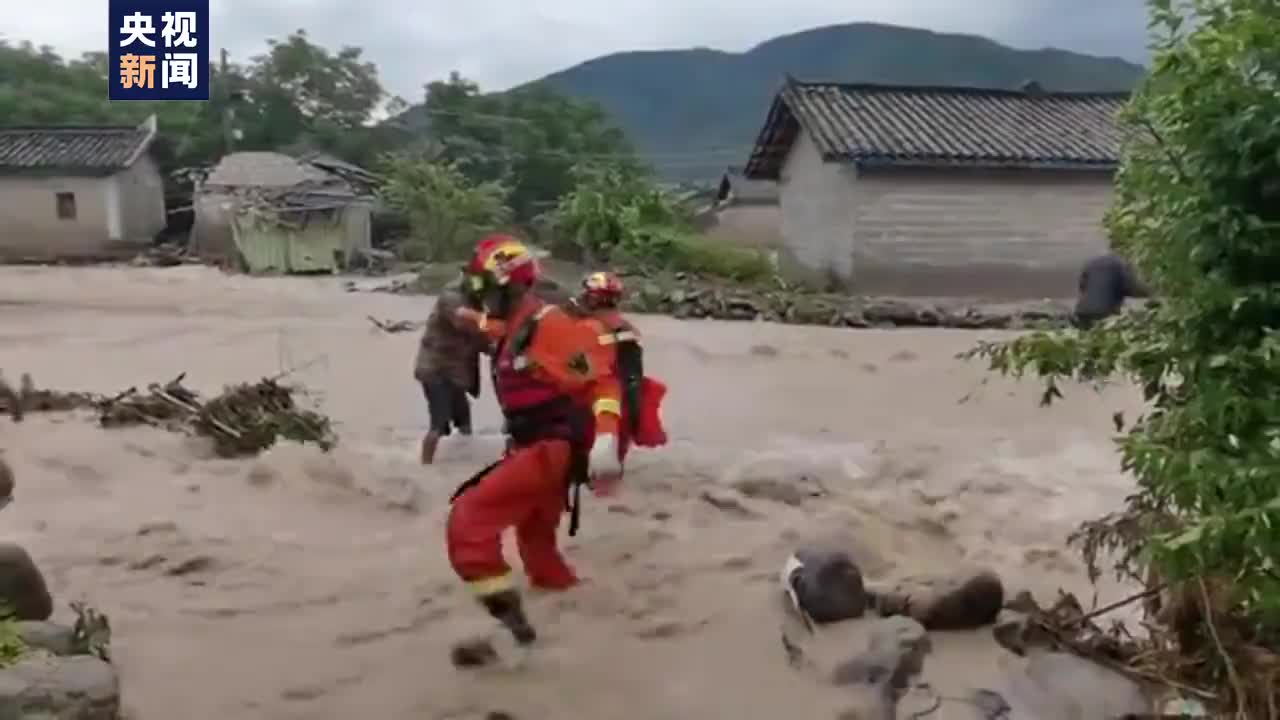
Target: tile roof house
940, 191
78, 193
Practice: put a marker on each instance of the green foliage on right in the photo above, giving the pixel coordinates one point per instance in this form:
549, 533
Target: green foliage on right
1198, 210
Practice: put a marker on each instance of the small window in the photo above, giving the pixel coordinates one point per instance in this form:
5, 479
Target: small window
66, 206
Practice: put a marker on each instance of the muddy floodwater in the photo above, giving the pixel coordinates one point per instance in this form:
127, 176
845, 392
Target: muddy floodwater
305, 585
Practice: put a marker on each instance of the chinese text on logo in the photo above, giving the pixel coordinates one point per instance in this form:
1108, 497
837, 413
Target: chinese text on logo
158, 50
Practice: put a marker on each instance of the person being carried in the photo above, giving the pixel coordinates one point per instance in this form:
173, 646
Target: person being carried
448, 368
600, 299
1105, 282
561, 403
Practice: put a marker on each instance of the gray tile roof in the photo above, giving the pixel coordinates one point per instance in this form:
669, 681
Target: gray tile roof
75, 150
941, 126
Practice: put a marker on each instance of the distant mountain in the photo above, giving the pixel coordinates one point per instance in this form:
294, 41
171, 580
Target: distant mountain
696, 111
691, 101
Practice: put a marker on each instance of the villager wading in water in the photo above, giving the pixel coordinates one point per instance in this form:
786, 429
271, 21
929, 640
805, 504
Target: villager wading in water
554, 380
448, 368
1105, 282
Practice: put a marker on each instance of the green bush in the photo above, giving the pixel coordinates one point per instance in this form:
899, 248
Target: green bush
622, 218
447, 212
1198, 210
706, 257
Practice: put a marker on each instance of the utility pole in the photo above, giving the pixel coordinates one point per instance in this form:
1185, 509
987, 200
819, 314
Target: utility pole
228, 111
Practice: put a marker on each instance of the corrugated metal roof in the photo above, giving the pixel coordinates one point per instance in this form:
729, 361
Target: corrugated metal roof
71, 149
942, 126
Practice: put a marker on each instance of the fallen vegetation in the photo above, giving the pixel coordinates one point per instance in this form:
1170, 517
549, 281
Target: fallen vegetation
242, 420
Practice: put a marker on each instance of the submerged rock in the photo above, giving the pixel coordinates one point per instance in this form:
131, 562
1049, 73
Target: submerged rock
1060, 686
886, 654
887, 650
48, 636
81, 687
473, 652
22, 586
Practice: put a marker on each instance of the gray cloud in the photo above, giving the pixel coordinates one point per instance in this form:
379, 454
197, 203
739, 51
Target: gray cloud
501, 43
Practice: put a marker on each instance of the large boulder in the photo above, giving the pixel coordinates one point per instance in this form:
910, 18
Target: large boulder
50, 687
22, 586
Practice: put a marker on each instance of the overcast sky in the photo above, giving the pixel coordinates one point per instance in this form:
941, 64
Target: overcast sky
501, 43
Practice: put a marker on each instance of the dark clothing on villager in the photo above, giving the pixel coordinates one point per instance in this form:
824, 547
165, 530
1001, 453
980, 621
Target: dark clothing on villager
1105, 282
448, 365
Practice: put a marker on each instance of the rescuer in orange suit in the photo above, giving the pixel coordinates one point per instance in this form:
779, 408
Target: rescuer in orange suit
641, 424
553, 380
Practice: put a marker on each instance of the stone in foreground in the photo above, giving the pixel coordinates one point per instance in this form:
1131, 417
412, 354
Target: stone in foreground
964, 602
825, 584
1060, 686
48, 687
48, 636
886, 654
22, 586
472, 653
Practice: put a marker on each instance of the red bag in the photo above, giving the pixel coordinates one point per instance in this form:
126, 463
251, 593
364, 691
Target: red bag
649, 430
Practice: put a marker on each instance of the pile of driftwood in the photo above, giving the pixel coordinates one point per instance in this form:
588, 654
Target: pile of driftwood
244, 419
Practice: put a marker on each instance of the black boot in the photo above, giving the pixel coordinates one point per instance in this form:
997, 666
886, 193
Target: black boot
507, 608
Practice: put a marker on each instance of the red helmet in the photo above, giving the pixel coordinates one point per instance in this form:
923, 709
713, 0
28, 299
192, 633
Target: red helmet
602, 288
503, 260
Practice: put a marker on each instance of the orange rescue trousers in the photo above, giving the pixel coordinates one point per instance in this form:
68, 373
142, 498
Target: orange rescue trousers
525, 490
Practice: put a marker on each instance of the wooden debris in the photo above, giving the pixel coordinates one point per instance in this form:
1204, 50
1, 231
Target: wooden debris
244, 419
397, 326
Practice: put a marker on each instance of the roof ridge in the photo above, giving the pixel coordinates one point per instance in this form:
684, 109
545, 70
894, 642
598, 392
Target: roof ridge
69, 128
874, 124
954, 89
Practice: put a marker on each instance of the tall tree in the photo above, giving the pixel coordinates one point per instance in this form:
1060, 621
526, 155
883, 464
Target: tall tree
529, 139
295, 94
301, 92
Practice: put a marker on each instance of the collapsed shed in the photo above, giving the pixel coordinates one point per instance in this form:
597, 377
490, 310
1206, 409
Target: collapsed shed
268, 212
